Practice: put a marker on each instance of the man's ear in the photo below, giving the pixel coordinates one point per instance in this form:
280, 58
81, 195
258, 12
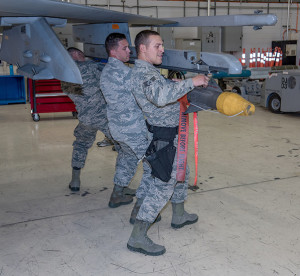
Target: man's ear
143, 48
112, 52
74, 55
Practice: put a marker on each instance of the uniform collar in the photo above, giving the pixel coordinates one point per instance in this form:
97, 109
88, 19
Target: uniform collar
143, 63
114, 60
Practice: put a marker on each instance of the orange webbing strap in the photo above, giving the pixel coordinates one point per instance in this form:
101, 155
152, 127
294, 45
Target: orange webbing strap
196, 131
183, 139
183, 133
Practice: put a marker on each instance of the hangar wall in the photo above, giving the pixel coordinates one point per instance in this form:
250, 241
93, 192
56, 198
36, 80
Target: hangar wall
251, 39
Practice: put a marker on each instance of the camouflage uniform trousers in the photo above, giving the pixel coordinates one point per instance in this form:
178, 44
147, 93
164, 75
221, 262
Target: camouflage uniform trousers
85, 137
126, 166
159, 193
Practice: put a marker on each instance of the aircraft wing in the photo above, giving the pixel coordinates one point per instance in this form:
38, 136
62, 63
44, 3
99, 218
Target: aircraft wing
224, 20
32, 45
29, 41
74, 13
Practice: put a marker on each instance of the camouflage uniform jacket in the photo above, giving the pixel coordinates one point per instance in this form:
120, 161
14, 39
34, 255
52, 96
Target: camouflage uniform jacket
125, 119
156, 95
88, 98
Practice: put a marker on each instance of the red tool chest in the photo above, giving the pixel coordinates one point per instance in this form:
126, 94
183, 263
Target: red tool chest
46, 96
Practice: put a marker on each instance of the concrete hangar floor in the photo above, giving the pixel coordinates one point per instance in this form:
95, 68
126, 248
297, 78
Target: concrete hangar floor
248, 202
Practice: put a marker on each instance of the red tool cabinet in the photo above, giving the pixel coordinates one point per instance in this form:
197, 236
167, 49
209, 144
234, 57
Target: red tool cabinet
46, 96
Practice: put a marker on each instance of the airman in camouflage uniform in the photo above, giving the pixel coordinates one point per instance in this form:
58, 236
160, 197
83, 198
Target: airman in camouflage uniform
158, 97
91, 108
125, 119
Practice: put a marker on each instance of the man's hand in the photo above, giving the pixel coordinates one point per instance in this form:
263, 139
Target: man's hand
200, 80
177, 80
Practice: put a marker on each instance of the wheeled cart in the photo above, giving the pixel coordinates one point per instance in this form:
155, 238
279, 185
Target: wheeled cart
46, 96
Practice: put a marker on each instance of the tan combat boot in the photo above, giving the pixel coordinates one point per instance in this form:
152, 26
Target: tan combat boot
140, 242
180, 217
74, 185
118, 197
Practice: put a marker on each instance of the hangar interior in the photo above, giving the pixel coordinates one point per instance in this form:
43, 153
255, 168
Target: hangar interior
247, 195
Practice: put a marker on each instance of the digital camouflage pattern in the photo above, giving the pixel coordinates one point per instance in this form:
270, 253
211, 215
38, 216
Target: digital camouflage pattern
126, 119
157, 96
126, 166
159, 193
88, 98
91, 108
126, 123
85, 138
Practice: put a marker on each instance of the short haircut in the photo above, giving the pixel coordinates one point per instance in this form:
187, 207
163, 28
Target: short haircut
143, 38
112, 41
73, 49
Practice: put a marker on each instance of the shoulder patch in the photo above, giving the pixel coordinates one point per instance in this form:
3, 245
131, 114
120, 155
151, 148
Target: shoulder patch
148, 83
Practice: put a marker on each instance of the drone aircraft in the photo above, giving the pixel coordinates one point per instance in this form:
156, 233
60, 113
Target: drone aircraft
29, 42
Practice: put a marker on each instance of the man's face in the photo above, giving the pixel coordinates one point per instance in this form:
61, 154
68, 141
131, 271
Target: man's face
78, 56
81, 56
122, 52
154, 50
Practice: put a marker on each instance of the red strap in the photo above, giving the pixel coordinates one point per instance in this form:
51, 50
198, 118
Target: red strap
183, 133
196, 131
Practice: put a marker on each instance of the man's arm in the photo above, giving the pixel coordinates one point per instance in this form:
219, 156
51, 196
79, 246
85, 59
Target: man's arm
71, 88
161, 91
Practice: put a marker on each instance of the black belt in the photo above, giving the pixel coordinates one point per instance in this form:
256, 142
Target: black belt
162, 133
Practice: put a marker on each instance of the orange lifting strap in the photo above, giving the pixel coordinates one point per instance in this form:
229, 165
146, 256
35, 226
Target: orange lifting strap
182, 148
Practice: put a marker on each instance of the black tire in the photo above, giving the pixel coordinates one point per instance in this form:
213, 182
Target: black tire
35, 117
274, 103
75, 114
236, 90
